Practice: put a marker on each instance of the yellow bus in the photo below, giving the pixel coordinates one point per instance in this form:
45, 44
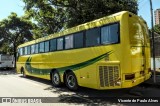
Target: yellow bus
112, 52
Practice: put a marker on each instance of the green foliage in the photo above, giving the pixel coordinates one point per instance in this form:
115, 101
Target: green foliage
81, 11
48, 18
5, 48
14, 31
157, 28
55, 15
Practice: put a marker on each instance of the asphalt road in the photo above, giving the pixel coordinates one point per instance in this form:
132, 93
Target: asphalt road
14, 85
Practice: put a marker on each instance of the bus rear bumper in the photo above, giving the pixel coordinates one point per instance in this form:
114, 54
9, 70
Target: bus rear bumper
134, 82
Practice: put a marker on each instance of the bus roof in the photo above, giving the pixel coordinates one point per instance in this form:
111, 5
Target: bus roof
95, 23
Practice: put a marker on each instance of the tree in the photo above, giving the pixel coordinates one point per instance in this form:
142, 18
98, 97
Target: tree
81, 11
14, 30
60, 14
48, 18
157, 28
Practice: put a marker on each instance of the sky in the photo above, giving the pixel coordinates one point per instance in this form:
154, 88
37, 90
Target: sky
144, 9
8, 6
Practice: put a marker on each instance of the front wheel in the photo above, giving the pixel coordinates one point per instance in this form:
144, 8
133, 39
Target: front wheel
71, 81
55, 77
23, 72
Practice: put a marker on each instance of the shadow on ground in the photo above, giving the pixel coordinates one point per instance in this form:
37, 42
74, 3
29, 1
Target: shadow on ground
91, 96
101, 97
7, 71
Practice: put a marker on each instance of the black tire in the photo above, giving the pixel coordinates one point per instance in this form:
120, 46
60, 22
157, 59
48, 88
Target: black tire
71, 81
55, 78
23, 72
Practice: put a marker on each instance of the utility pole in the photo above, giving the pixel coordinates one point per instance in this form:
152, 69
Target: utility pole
153, 46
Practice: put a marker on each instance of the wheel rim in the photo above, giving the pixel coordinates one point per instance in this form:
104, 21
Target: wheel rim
55, 78
71, 81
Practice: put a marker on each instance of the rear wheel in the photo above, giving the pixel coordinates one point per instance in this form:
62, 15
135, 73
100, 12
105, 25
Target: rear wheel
71, 81
55, 78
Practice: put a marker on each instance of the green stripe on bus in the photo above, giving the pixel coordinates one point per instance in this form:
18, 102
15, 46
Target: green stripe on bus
74, 67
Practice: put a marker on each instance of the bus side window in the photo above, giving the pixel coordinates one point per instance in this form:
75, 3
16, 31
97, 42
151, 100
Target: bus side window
41, 47
36, 48
21, 51
53, 45
28, 50
78, 40
110, 34
46, 44
32, 49
25, 50
60, 44
93, 37
69, 42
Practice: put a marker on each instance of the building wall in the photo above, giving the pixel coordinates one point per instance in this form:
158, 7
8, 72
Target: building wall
157, 16
156, 45
157, 49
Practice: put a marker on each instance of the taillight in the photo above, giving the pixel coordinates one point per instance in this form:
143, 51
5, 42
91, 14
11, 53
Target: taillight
129, 76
